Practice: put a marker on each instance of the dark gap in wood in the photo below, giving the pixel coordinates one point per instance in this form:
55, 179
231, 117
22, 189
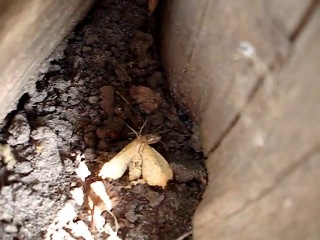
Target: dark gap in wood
304, 20
251, 95
225, 133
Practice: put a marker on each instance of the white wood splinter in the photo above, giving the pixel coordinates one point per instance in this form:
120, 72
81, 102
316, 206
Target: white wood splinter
142, 160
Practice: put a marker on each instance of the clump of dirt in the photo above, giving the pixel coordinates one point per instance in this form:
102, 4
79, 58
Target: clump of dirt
111, 75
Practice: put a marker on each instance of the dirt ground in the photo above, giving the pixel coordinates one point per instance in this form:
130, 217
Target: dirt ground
108, 73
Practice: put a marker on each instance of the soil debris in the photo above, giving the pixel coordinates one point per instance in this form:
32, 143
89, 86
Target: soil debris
73, 122
148, 99
107, 100
19, 130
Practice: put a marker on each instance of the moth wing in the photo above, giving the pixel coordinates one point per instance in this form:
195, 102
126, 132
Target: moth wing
156, 171
117, 166
135, 165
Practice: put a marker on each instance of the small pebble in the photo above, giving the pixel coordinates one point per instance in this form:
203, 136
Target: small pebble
115, 52
89, 128
11, 229
97, 120
103, 145
90, 153
131, 216
93, 99
90, 139
24, 167
102, 132
6, 217
93, 113
81, 82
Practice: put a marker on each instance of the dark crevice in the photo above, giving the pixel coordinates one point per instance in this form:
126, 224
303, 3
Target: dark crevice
22, 101
304, 20
7, 120
250, 97
225, 133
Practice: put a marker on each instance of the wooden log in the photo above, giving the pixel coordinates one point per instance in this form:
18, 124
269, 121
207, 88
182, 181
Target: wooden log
264, 177
200, 49
29, 31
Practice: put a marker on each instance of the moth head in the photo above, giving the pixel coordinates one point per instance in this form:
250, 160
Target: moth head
140, 131
151, 139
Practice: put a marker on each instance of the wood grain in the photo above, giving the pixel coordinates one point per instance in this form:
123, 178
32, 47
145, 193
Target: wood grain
264, 177
29, 31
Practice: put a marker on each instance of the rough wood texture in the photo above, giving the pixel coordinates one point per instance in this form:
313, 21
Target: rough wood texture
264, 176
287, 14
29, 31
259, 124
200, 44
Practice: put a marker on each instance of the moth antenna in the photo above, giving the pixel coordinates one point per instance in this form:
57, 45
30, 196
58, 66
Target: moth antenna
135, 132
159, 127
164, 131
143, 125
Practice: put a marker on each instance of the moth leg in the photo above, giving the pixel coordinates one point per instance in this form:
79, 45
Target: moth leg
135, 167
165, 146
139, 181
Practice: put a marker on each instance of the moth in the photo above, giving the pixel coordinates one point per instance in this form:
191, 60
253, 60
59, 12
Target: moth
142, 160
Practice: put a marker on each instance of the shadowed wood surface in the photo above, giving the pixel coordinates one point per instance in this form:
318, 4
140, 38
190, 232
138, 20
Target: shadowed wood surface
29, 31
200, 48
258, 115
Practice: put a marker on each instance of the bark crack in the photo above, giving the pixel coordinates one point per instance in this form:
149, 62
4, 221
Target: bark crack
199, 28
305, 158
263, 72
304, 20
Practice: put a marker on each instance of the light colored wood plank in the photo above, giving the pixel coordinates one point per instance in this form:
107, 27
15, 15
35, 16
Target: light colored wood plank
200, 48
270, 159
287, 14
